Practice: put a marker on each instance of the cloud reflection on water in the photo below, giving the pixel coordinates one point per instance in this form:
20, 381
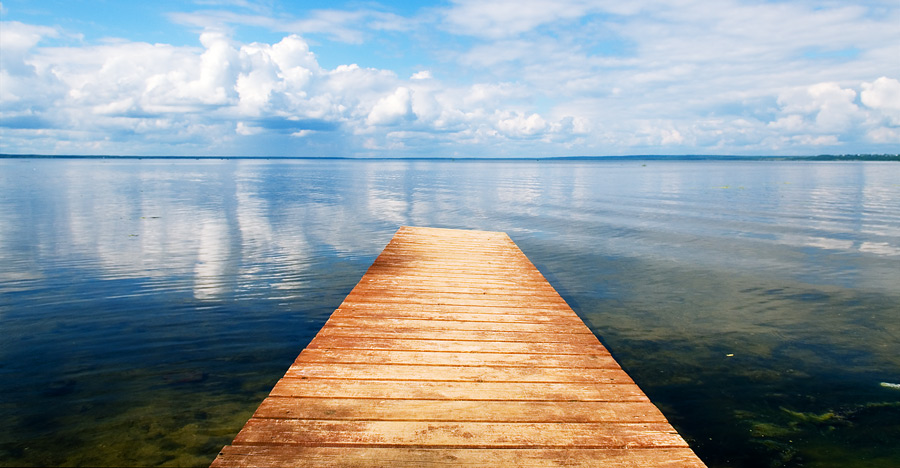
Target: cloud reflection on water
234, 224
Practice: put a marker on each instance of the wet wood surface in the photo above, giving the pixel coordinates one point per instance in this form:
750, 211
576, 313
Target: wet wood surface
453, 350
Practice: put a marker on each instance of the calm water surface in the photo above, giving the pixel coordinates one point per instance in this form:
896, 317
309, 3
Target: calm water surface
147, 307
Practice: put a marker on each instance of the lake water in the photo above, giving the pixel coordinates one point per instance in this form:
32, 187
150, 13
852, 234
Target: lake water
147, 307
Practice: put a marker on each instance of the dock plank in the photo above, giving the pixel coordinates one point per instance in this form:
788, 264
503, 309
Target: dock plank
457, 434
456, 331
457, 410
443, 390
600, 360
359, 307
329, 341
468, 322
454, 350
418, 372
372, 457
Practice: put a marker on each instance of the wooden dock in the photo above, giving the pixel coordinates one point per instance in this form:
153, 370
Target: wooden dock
453, 350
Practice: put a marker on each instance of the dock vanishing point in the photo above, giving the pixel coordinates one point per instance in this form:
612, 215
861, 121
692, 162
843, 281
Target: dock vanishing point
454, 350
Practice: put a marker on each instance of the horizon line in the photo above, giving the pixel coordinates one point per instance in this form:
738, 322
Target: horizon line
646, 157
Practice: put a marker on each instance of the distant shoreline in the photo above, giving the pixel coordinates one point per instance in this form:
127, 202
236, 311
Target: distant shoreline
682, 157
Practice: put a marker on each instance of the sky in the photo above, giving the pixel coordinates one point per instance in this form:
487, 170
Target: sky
458, 78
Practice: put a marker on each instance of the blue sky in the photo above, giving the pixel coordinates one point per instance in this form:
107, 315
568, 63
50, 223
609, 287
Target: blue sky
449, 79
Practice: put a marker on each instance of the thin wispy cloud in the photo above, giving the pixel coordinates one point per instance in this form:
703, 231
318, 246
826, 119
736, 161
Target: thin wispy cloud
529, 78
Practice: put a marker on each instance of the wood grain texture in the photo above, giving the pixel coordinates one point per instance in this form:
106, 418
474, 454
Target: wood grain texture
371, 457
453, 350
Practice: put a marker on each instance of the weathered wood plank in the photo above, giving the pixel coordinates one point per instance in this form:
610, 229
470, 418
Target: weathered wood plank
433, 269
435, 288
418, 372
405, 276
458, 434
454, 331
372, 457
469, 300
601, 360
447, 310
437, 317
332, 342
455, 321
414, 390
458, 410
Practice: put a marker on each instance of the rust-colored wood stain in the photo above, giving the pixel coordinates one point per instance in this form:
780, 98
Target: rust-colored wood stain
453, 350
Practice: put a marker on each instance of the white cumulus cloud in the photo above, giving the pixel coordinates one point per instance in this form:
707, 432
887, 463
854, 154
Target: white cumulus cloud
392, 109
822, 107
520, 125
883, 95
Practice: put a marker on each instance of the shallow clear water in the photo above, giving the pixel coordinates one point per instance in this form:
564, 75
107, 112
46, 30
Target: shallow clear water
147, 307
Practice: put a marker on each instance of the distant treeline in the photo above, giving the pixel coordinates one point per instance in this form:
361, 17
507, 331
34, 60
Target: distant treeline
855, 157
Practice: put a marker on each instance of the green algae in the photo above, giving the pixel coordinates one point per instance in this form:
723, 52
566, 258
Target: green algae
808, 417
